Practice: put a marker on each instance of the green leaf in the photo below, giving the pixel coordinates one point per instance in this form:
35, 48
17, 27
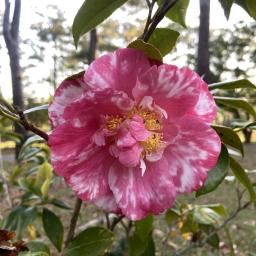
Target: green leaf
19, 218
236, 103
229, 137
164, 39
242, 83
206, 216
226, 5
38, 108
11, 136
170, 216
219, 208
144, 227
53, 228
91, 14
217, 174
43, 179
243, 178
149, 50
37, 246
59, 204
91, 242
178, 12
251, 5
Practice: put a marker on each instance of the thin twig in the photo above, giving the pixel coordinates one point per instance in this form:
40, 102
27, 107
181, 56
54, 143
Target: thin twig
107, 220
159, 15
150, 6
115, 222
30, 127
73, 221
215, 231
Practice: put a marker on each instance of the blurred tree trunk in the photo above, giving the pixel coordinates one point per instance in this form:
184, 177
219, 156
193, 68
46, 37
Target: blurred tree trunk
203, 58
11, 37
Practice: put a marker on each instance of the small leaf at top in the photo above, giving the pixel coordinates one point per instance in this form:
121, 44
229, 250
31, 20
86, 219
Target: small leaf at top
164, 39
149, 50
178, 12
91, 14
226, 5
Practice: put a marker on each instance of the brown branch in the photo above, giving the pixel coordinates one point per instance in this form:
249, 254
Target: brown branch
215, 231
159, 15
151, 6
73, 221
30, 127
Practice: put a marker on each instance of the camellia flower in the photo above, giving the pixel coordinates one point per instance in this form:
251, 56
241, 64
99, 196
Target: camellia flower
129, 136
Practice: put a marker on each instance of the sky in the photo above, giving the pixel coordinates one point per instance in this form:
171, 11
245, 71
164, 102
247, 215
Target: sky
29, 16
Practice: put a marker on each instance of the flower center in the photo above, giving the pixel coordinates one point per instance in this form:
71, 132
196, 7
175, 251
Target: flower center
149, 123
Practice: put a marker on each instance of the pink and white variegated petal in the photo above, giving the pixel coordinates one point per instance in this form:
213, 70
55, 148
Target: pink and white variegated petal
69, 91
138, 195
192, 153
96, 103
108, 203
88, 174
175, 90
205, 108
67, 143
118, 70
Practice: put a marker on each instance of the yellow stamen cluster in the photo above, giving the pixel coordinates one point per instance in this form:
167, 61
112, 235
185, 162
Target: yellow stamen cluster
151, 121
153, 143
150, 118
113, 122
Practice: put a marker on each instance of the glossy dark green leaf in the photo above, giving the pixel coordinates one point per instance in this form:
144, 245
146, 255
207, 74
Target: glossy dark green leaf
144, 227
149, 50
37, 246
91, 242
178, 12
214, 240
53, 228
59, 204
251, 5
236, 103
226, 5
229, 137
19, 218
242, 83
248, 6
91, 14
217, 174
243, 178
141, 242
164, 39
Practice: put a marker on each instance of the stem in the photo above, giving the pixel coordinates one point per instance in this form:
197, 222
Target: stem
73, 221
115, 222
217, 229
150, 6
159, 15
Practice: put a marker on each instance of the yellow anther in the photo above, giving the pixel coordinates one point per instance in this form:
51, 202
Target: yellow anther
113, 122
153, 143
